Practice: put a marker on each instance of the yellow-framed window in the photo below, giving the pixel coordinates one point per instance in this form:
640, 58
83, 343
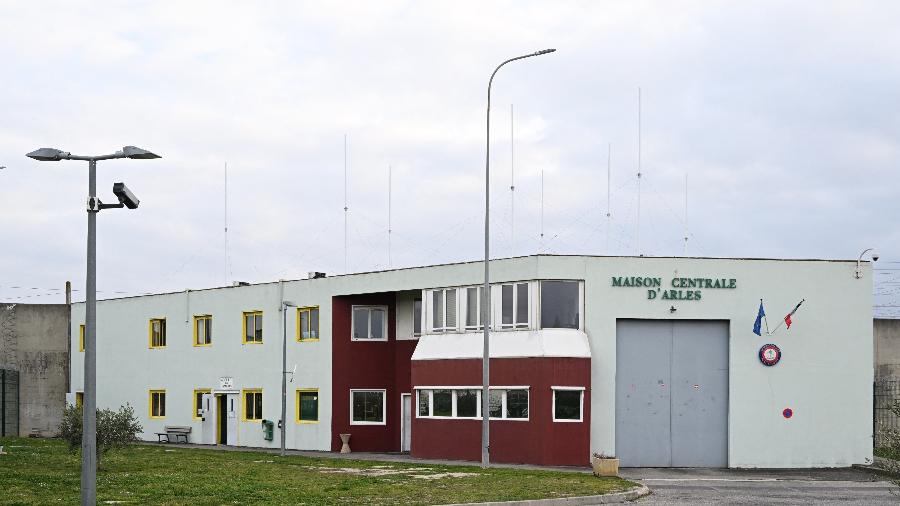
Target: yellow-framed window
81, 338
157, 331
203, 330
157, 403
252, 409
79, 399
198, 401
308, 323
307, 405
253, 327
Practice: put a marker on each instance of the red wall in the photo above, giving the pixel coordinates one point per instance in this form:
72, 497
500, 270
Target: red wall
536, 441
375, 365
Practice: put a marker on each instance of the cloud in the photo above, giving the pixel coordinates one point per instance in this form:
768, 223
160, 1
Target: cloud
781, 116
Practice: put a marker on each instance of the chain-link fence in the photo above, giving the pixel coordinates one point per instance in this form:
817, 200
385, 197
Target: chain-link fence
886, 392
9, 402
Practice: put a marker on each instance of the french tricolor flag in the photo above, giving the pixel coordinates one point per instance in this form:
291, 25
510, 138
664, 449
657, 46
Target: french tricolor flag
787, 319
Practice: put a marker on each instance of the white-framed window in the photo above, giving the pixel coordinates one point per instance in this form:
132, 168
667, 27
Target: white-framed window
514, 308
368, 407
568, 404
560, 304
369, 323
474, 296
417, 317
509, 403
506, 403
443, 310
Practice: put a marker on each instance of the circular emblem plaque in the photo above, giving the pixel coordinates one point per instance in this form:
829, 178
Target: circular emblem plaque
769, 354
787, 413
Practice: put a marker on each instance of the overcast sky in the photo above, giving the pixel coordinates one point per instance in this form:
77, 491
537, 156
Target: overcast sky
783, 118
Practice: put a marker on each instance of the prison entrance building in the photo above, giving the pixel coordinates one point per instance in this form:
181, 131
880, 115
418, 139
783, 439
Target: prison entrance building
653, 360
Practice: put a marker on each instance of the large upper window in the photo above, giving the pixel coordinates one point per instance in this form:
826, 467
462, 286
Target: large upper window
369, 323
202, 330
567, 404
514, 305
158, 333
81, 338
367, 407
308, 323
253, 327
474, 295
560, 306
443, 310
417, 317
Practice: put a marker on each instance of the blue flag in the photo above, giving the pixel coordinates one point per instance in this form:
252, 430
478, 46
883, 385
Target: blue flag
757, 326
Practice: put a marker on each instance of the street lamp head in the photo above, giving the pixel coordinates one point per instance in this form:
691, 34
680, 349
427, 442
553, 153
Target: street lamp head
48, 155
288, 303
136, 153
544, 51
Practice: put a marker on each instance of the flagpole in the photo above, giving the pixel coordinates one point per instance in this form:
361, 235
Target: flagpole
766, 319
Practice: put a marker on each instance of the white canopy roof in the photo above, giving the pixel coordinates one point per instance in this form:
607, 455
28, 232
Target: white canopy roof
505, 344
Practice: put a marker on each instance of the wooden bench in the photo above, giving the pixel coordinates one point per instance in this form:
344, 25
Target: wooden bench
176, 431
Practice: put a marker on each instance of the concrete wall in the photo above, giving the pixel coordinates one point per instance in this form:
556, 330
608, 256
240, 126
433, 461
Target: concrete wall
33, 341
825, 375
887, 349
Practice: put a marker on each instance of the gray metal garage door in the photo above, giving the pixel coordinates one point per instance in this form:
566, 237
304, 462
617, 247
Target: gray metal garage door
672, 393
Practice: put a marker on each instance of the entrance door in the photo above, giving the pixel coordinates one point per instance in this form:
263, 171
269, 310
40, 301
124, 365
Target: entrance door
231, 423
406, 422
672, 393
208, 415
222, 419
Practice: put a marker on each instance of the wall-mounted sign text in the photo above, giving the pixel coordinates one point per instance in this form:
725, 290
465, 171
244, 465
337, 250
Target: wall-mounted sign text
681, 288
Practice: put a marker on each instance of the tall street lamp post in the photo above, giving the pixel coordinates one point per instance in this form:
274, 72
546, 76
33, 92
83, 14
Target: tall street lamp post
486, 298
126, 199
284, 305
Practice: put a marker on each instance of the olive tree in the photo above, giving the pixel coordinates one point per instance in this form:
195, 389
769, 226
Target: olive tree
115, 429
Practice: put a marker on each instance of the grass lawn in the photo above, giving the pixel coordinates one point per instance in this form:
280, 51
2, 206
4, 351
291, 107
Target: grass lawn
888, 453
42, 471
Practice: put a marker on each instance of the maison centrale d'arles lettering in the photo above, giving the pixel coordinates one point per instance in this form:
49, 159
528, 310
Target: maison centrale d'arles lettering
682, 288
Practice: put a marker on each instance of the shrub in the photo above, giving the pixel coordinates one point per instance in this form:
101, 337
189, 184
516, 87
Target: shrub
115, 429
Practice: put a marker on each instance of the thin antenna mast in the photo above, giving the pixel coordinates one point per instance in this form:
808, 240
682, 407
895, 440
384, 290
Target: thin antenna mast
346, 213
608, 182
390, 263
226, 223
639, 176
542, 210
685, 214
512, 181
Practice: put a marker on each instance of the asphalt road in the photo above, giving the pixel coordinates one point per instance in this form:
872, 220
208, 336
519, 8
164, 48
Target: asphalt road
735, 486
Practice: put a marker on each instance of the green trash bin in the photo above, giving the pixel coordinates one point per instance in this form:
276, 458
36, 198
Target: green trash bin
268, 427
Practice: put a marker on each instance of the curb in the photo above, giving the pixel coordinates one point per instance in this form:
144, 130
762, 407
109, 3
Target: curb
880, 467
587, 500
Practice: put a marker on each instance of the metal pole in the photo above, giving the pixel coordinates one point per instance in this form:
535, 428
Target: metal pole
486, 298
283, 374
89, 436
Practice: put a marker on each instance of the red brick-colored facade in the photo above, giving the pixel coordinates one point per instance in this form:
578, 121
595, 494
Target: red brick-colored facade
387, 365
367, 365
539, 440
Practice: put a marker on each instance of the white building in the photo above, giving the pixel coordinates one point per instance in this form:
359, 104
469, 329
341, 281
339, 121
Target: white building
651, 359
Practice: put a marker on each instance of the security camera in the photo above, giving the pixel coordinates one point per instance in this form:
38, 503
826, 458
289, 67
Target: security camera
875, 256
125, 196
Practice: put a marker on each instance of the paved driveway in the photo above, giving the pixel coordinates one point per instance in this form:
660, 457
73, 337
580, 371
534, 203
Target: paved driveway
736, 486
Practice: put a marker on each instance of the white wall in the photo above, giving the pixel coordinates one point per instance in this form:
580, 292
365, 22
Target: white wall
825, 374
